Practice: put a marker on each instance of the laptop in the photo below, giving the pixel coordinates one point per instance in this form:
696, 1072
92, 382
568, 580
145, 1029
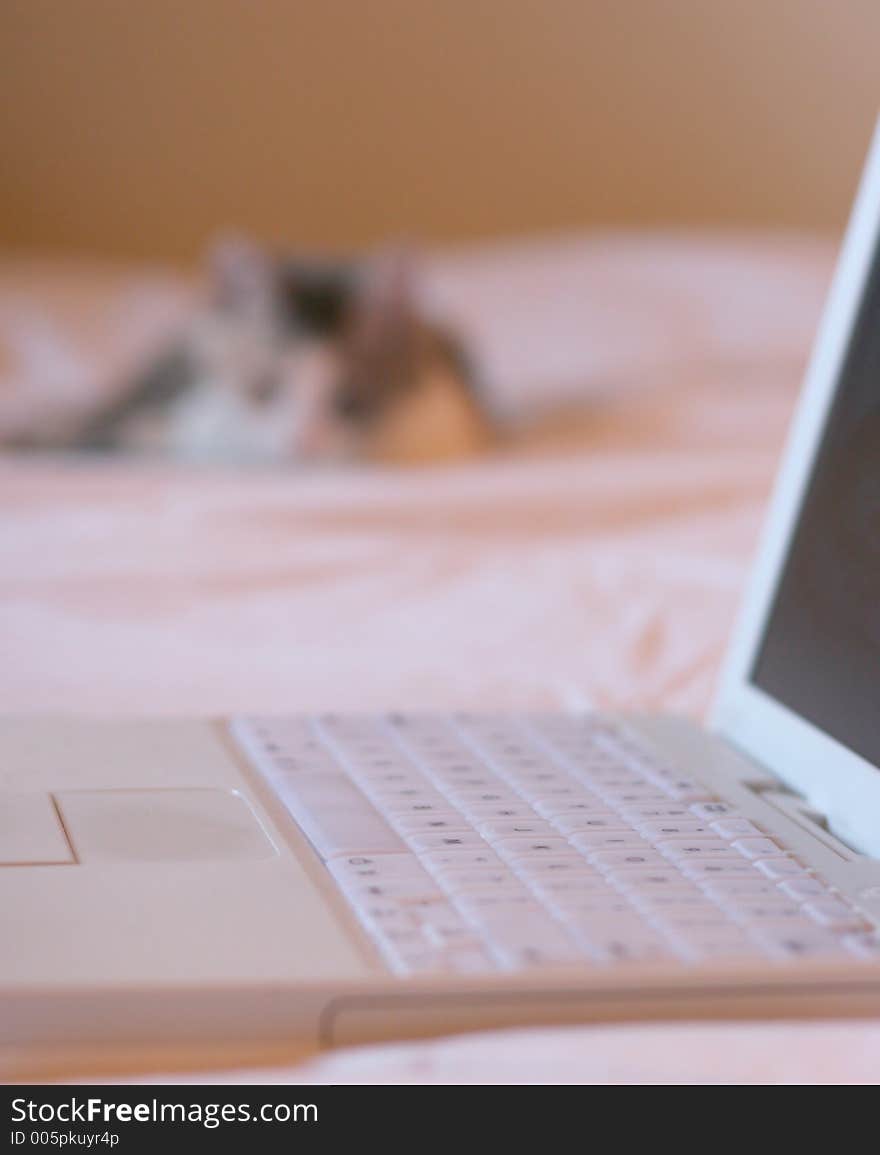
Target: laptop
254, 885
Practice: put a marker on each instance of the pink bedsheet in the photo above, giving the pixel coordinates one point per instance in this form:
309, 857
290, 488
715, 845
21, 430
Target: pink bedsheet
597, 564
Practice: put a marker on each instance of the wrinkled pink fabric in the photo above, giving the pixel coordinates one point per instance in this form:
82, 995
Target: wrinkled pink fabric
596, 563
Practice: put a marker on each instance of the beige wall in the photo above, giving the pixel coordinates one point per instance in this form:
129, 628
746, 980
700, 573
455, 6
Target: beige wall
142, 126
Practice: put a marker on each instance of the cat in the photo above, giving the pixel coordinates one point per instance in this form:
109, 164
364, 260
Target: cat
302, 360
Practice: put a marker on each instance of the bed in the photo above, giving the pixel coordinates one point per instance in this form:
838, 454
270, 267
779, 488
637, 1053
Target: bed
588, 563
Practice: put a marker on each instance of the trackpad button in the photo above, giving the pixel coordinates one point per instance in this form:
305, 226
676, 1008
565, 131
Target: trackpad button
162, 825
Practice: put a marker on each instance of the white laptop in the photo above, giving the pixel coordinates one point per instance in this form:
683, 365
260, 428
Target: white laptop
250, 885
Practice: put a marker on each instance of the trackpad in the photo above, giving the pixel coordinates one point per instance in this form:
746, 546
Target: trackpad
162, 825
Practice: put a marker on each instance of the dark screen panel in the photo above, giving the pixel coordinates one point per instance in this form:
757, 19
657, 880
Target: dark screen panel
820, 654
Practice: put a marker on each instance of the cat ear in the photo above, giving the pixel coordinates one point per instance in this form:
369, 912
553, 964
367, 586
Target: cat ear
387, 305
240, 273
379, 347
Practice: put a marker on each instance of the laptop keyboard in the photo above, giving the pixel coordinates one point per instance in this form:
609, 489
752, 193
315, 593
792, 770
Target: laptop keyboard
472, 843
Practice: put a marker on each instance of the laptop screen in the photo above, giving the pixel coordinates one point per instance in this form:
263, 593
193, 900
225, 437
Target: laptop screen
820, 654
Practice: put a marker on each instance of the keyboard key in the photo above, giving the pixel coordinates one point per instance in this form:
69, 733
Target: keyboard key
657, 830
758, 913
661, 901
609, 840
717, 868
615, 860
463, 779
685, 848
626, 942
572, 822
442, 925
592, 774
427, 823
573, 883
484, 909
418, 960
404, 797
562, 807
734, 828
399, 946
630, 799
418, 807
865, 946
700, 946
468, 799
780, 868
749, 886
587, 907
438, 859
543, 866
541, 779
519, 813
466, 840
688, 790
386, 774
619, 780
833, 913
403, 887
279, 769
792, 944
381, 918
336, 817
533, 942
669, 880
756, 847
695, 922
713, 810
470, 960
510, 848
804, 887
479, 881
452, 763
380, 866
743, 900
636, 814
385, 784
541, 796
498, 829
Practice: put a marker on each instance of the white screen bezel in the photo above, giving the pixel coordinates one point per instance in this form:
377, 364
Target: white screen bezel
837, 781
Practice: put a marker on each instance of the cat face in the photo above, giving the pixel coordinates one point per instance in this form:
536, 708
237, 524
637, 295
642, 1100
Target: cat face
321, 361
